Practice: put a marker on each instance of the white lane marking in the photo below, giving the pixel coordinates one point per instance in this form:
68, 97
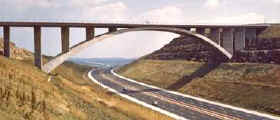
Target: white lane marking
172, 115
200, 99
172, 101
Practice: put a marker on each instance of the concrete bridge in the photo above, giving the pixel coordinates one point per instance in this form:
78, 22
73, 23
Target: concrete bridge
225, 38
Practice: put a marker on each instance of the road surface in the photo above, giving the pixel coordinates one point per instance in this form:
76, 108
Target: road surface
182, 106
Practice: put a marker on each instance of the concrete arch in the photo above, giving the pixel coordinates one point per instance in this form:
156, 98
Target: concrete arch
59, 59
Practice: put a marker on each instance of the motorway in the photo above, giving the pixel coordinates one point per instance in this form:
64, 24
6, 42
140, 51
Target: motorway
188, 108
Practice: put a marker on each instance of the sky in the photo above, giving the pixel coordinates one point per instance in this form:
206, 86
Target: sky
128, 45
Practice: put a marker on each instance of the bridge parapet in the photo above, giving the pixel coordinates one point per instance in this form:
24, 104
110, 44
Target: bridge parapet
122, 25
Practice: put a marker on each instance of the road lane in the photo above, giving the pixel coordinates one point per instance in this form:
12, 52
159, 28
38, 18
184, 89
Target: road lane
180, 105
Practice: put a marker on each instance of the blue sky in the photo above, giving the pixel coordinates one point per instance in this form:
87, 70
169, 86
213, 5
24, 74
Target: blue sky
129, 11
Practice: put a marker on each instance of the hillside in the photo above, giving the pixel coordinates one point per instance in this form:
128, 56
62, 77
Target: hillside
29, 94
189, 48
16, 53
186, 48
272, 32
182, 66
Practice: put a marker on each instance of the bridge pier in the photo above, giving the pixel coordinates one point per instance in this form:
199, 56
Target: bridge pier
37, 47
65, 44
239, 38
250, 37
90, 31
215, 35
228, 39
202, 32
112, 29
6, 41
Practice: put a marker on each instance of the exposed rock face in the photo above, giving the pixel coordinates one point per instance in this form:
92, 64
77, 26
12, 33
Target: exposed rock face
189, 48
266, 44
16, 53
262, 56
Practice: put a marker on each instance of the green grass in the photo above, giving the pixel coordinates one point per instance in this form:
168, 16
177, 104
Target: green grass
251, 86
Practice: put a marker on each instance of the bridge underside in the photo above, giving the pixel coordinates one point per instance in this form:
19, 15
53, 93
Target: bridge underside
226, 39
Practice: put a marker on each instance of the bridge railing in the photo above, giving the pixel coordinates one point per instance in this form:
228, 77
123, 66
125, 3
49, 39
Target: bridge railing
142, 20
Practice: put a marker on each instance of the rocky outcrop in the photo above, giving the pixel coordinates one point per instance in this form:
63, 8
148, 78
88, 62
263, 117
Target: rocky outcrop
258, 56
189, 48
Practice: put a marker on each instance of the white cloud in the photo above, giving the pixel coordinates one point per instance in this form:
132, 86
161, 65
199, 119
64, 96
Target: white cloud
248, 18
22, 4
212, 3
86, 3
164, 15
20, 8
276, 1
42, 3
111, 11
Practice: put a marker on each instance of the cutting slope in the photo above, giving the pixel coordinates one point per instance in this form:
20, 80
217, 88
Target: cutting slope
182, 66
28, 93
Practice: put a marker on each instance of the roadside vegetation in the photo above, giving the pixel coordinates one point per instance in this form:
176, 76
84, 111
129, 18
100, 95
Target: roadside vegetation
67, 94
182, 66
251, 86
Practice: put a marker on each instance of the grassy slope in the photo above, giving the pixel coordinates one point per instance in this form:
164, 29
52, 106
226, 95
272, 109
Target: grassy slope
25, 93
252, 86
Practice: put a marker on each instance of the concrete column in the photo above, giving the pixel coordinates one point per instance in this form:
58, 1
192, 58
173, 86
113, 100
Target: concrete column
215, 35
65, 42
250, 37
239, 39
228, 39
90, 31
37, 46
112, 29
259, 31
6, 41
202, 32
221, 43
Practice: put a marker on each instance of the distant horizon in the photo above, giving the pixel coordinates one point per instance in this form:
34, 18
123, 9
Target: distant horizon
102, 58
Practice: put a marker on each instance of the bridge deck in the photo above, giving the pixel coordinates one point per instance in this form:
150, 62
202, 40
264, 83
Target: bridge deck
122, 25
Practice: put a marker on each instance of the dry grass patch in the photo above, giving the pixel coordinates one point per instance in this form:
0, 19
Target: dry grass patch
25, 93
252, 86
